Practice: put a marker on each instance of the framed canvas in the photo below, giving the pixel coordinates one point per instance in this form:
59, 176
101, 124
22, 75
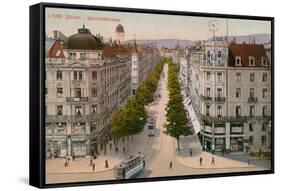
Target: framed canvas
122, 95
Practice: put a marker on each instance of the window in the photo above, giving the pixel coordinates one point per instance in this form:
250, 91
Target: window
263, 140
263, 61
238, 111
219, 54
219, 110
251, 127
219, 92
238, 92
80, 75
252, 93
238, 76
237, 61
251, 61
72, 55
208, 77
94, 108
264, 77
78, 92
252, 77
264, 110
94, 75
94, 92
75, 75
59, 91
264, 93
208, 92
208, 110
78, 110
252, 110
59, 75
93, 126
59, 110
219, 76
263, 127
251, 140
82, 55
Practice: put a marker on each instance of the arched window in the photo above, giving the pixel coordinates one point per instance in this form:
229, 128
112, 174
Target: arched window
219, 54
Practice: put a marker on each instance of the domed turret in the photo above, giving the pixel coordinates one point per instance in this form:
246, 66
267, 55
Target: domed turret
83, 40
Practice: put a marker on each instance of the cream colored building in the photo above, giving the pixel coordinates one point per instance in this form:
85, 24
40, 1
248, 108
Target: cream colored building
234, 114
86, 83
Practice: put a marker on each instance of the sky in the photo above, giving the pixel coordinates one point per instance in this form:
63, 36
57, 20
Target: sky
148, 26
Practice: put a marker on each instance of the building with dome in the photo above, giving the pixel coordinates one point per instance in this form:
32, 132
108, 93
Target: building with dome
87, 81
119, 34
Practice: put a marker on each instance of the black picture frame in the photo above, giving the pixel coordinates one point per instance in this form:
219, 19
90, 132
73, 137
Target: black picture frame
37, 95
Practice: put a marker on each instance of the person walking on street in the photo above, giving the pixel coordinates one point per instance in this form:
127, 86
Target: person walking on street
190, 152
93, 166
171, 165
91, 161
213, 161
201, 161
106, 164
248, 161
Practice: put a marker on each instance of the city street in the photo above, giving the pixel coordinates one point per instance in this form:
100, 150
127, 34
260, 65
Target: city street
158, 151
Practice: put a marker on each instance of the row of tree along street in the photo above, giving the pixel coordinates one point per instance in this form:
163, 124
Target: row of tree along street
131, 119
176, 125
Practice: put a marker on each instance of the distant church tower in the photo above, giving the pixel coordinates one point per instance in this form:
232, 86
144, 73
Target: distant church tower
119, 34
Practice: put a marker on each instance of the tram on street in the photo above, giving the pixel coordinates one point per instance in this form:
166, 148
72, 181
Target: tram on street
129, 168
150, 126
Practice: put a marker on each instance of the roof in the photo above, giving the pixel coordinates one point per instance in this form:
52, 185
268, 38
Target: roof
113, 50
54, 49
245, 51
83, 40
119, 28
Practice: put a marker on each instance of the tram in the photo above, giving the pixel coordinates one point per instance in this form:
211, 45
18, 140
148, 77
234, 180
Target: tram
150, 126
129, 168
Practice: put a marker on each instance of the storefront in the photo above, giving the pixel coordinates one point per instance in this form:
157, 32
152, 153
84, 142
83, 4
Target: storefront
219, 144
79, 148
236, 144
56, 148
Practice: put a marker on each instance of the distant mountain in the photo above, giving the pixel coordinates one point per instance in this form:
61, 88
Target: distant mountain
169, 43
257, 38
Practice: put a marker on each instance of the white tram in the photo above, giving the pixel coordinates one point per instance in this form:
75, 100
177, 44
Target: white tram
150, 126
129, 168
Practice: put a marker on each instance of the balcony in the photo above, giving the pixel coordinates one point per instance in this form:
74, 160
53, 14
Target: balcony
206, 98
220, 130
219, 99
252, 99
233, 118
76, 99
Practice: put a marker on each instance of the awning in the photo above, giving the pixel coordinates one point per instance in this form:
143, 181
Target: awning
194, 120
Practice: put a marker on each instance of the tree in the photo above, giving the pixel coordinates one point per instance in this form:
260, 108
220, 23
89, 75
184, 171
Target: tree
177, 120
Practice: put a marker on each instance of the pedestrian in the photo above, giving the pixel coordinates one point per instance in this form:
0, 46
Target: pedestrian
171, 165
190, 152
201, 161
93, 166
106, 164
73, 157
68, 160
65, 163
116, 150
248, 161
91, 161
143, 162
213, 161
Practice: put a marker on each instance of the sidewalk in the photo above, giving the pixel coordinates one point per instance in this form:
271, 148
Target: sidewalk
192, 142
